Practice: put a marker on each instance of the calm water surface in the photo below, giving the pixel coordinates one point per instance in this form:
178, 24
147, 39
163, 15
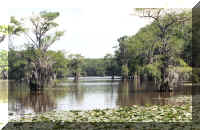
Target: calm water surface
3, 103
89, 93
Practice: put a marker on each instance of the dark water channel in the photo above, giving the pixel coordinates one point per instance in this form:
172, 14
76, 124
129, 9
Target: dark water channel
89, 93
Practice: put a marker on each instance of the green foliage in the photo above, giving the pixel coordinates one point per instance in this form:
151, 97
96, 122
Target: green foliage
3, 61
106, 66
15, 27
165, 42
90, 67
36, 63
4, 29
122, 53
152, 70
195, 45
111, 65
75, 63
19, 63
60, 67
196, 75
124, 71
94, 67
3, 32
49, 16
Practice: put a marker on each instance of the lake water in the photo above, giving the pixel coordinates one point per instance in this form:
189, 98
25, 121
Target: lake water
89, 93
3, 103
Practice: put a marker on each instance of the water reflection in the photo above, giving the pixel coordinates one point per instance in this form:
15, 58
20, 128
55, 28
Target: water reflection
88, 94
22, 100
133, 93
76, 94
3, 91
3, 103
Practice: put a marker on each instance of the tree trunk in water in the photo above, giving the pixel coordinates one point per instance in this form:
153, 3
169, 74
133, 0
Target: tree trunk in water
164, 86
113, 76
4, 75
136, 76
125, 72
137, 79
40, 77
77, 75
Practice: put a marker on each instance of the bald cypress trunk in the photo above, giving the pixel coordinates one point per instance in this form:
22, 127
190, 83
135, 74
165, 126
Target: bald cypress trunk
76, 76
42, 73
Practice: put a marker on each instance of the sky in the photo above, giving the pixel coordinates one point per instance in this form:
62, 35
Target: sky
91, 27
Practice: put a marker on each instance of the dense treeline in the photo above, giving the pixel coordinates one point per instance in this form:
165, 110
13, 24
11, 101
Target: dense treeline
71, 65
106, 66
20, 66
94, 67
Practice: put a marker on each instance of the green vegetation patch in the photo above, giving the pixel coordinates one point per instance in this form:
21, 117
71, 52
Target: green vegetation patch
167, 117
149, 113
